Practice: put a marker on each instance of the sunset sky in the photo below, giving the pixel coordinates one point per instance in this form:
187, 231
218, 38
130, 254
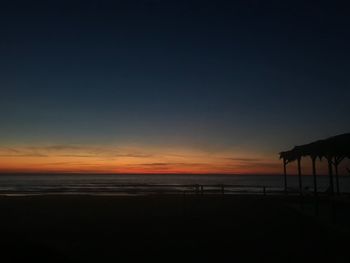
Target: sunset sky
168, 86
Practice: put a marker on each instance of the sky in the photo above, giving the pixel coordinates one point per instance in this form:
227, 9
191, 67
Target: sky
155, 86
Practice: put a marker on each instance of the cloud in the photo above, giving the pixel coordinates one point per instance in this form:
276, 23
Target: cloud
59, 147
257, 164
171, 164
11, 152
253, 163
71, 151
244, 159
160, 164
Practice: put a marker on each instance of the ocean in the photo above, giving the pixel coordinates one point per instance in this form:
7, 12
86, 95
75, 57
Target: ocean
126, 184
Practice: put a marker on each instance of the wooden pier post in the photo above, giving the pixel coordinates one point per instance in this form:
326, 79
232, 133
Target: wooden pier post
336, 176
313, 159
285, 174
337, 161
299, 177
330, 172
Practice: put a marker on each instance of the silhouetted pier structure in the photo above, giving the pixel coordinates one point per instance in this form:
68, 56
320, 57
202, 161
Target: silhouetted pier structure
334, 150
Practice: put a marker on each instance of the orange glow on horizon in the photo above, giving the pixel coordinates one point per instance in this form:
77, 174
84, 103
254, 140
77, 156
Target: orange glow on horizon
131, 160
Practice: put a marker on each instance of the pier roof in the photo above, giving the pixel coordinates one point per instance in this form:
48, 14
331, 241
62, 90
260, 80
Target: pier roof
336, 146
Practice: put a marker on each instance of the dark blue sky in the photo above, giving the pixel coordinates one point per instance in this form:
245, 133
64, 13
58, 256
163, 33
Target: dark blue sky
257, 75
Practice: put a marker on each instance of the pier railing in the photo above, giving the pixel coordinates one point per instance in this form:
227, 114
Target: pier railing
138, 189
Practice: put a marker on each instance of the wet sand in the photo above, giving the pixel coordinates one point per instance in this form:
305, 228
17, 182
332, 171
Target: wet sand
165, 229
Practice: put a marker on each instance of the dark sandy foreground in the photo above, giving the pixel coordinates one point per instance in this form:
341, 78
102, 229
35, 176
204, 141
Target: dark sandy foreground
164, 229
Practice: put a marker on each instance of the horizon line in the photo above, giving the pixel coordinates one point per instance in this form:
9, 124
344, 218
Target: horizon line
148, 173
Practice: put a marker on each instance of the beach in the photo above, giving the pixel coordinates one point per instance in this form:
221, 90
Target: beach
165, 228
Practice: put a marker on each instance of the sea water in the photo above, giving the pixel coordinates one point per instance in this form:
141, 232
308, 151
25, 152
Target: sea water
126, 184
